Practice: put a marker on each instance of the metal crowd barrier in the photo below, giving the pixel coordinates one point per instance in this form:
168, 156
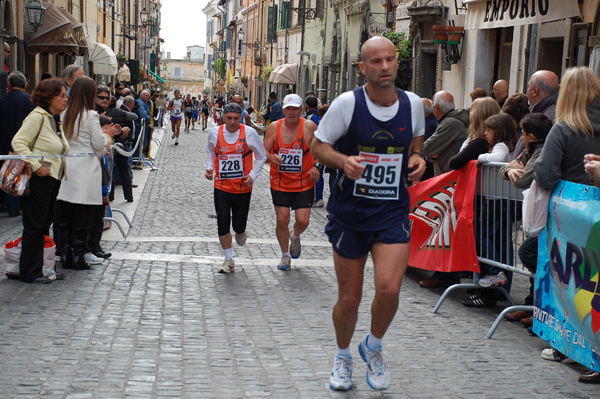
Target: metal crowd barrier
498, 234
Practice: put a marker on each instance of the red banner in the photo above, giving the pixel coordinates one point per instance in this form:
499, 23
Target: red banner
442, 236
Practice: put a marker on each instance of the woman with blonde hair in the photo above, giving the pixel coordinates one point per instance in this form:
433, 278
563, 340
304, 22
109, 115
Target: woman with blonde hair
575, 133
83, 188
476, 143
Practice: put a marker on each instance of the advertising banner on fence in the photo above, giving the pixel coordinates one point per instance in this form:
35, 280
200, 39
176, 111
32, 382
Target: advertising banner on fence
567, 293
442, 236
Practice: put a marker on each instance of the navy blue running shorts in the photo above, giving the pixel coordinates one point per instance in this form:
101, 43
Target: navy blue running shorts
353, 244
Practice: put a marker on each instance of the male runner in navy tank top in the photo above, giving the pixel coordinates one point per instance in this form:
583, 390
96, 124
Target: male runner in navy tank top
378, 144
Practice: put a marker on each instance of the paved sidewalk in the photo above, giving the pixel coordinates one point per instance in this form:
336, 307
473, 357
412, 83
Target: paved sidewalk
158, 321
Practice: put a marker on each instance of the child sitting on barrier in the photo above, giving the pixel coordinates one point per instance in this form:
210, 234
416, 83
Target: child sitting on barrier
535, 127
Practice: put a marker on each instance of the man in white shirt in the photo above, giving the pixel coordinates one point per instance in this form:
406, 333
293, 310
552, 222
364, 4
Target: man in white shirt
373, 136
229, 163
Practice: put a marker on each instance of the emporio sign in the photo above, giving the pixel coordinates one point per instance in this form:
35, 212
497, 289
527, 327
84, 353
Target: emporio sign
488, 14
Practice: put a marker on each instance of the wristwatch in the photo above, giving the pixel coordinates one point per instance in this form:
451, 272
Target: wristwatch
317, 165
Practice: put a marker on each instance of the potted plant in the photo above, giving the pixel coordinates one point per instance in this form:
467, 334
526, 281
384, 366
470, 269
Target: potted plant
121, 59
244, 80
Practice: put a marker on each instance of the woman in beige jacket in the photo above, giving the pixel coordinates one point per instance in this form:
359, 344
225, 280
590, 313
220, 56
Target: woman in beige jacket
41, 133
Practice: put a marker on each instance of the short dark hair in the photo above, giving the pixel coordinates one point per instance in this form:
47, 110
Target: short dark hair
46, 90
103, 89
537, 124
312, 102
273, 95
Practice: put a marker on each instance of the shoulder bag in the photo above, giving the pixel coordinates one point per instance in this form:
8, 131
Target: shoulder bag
16, 173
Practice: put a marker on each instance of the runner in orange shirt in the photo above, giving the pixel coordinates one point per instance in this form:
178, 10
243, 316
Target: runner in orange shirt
229, 162
293, 175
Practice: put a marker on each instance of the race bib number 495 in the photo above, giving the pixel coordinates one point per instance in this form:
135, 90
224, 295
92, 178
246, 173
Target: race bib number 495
230, 166
381, 177
291, 160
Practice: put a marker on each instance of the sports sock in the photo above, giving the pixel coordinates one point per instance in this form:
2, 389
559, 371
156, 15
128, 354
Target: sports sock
293, 235
343, 352
285, 254
228, 253
373, 342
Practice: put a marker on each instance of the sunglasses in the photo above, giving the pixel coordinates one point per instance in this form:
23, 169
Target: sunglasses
103, 97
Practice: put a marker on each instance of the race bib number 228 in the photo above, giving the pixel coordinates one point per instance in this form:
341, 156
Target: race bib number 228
381, 177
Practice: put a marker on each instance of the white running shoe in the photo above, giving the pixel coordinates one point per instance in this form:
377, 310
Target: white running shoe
92, 259
341, 373
295, 246
228, 266
377, 374
285, 263
553, 354
491, 279
240, 239
319, 204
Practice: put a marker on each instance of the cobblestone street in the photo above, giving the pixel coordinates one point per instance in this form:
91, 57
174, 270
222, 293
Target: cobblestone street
158, 321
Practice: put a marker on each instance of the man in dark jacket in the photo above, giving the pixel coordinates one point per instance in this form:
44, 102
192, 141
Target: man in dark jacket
124, 117
14, 107
274, 110
452, 130
542, 93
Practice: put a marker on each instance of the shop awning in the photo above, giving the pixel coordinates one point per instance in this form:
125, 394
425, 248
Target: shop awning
104, 59
157, 77
285, 74
77, 31
55, 34
488, 14
124, 74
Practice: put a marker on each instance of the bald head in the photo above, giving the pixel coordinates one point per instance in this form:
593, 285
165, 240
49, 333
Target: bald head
427, 106
443, 102
500, 90
238, 100
375, 46
541, 85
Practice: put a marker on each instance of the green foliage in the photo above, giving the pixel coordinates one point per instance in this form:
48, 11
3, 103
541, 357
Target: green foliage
121, 59
266, 72
220, 67
403, 46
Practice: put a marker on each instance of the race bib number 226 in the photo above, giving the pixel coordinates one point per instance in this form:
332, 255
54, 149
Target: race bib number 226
381, 177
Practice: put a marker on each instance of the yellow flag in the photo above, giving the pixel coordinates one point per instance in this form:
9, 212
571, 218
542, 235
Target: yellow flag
229, 77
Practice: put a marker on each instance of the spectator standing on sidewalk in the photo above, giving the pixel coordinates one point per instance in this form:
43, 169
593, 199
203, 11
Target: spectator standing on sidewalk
229, 163
366, 213
575, 134
14, 108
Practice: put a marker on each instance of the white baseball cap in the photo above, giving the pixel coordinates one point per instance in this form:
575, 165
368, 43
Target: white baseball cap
292, 100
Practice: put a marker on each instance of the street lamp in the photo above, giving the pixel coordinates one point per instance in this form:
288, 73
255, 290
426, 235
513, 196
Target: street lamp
144, 15
306, 13
35, 13
254, 46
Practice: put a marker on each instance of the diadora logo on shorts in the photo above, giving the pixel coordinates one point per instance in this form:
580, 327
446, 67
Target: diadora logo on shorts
439, 212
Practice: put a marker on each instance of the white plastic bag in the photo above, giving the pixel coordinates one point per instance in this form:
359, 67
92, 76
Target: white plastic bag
535, 209
12, 256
